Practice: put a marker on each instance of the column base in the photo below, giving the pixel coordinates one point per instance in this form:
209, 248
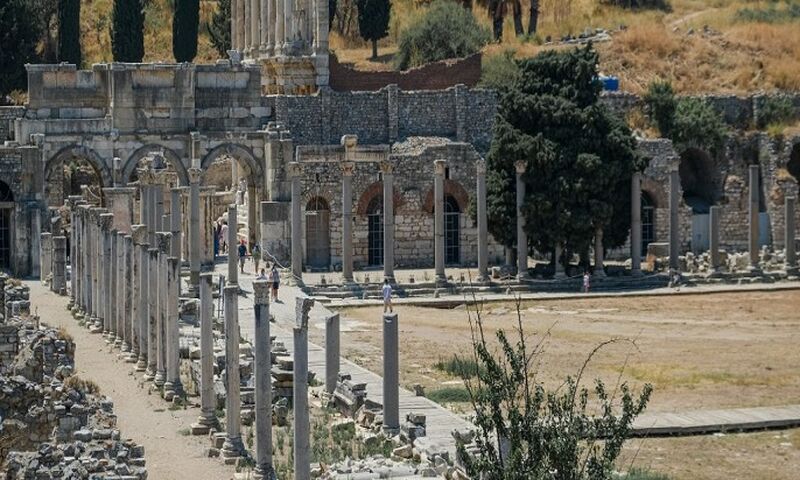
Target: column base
172, 390
124, 346
637, 273
93, 326
232, 449
160, 378
440, 279
599, 273
264, 472
141, 363
205, 422
524, 277
560, 276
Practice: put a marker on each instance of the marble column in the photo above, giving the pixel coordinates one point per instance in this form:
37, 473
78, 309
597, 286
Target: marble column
176, 219
207, 418
263, 381
295, 172
164, 242
265, 28
152, 313
143, 308
789, 235
233, 246
74, 268
753, 214
599, 267
59, 283
713, 221
302, 447
483, 229
233, 446
636, 224
288, 29
45, 256
387, 171
674, 228
391, 375
332, 352
120, 291
438, 220
138, 236
105, 296
322, 22
255, 33
172, 385
128, 297
234, 26
194, 231
280, 33
522, 238
111, 293
348, 168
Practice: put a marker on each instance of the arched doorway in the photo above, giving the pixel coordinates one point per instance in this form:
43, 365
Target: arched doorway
72, 168
648, 221
6, 212
793, 166
375, 231
452, 231
318, 239
701, 185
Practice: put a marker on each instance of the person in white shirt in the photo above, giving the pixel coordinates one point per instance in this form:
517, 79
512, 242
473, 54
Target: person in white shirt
387, 296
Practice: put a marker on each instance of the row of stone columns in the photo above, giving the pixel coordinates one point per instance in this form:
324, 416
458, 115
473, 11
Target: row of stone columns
278, 27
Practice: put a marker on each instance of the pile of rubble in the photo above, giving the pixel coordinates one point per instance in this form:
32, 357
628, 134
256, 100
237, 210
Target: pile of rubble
54, 425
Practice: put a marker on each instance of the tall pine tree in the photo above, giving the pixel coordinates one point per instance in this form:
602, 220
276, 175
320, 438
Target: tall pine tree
184, 30
69, 31
373, 21
19, 34
127, 31
220, 28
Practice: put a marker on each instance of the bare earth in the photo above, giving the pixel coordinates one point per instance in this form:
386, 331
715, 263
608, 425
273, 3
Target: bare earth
170, 454
699, 352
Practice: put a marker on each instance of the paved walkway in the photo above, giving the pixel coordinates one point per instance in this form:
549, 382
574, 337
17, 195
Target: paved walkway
711, 421
440, 421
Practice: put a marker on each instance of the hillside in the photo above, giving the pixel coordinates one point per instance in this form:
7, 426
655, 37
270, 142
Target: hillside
731, 46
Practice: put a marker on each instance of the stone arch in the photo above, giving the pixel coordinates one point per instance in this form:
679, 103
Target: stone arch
373, 191
793, 165
92, 158
173, 158
700, 180
318, 236
239, 152
451, 188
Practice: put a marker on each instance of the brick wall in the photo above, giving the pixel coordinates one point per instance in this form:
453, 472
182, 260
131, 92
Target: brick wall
434, 76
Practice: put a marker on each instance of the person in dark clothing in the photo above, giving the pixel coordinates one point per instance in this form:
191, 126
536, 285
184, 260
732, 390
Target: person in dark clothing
242, 255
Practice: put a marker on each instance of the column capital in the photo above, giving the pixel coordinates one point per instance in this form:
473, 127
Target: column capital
348, 168
105, 221
520, 166
439, 166
295, 169
387, 167
195, 174
164, 241
139, 234
480, 166
301, 309
261, 292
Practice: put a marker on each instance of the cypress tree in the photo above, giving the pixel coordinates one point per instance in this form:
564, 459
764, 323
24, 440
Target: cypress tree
19, 34
127, 31
69, 31
184, 30
220, 28
373, 21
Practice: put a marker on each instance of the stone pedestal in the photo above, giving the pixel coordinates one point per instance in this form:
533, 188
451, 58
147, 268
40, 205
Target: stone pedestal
674, 228
789, 235
152, 314
332, 352
636, 224
295, 171
263, 383
483, 231
387, 171
207, 418
233, 446
302, 448
522, 237
59, 283
439, 167
391, 375
754, 195
347, 221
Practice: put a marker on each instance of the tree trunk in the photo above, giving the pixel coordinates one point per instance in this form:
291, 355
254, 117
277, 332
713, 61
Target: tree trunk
519, 30
497, 20
533, 18
374, 49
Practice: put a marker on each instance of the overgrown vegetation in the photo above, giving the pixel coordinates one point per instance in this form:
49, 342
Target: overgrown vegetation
499, 71
458, 366
641, 474
660, 105
446, 30
775, 111
449, 395
771, 13
219, 28
527, 432
640, 4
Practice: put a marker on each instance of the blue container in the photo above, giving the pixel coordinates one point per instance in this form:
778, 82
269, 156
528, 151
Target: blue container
610, 84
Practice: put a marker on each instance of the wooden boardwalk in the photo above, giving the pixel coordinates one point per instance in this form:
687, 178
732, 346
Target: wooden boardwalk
440, 421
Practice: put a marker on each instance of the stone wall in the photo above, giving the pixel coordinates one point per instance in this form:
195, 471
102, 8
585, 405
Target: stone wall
433, 76
7, 117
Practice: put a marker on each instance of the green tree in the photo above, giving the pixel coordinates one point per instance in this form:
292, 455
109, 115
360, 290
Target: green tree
220, 28
446, 30
527, 432
698, 125
184, 30
373, 21
579, 156
660, 104
69, 31
19, 34
127, 31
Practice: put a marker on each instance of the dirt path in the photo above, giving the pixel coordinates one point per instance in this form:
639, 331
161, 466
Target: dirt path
686, 18
142, 417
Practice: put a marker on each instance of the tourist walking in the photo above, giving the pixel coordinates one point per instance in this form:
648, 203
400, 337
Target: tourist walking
587, 281
387, 295
276, 281
223, 238
242, 255
255, 251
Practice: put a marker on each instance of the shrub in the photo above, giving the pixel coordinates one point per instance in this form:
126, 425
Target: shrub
697, 124
770, 14
660, 104
775, 111
499, 71
449, 395
446, 30
663, 5
458, 367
